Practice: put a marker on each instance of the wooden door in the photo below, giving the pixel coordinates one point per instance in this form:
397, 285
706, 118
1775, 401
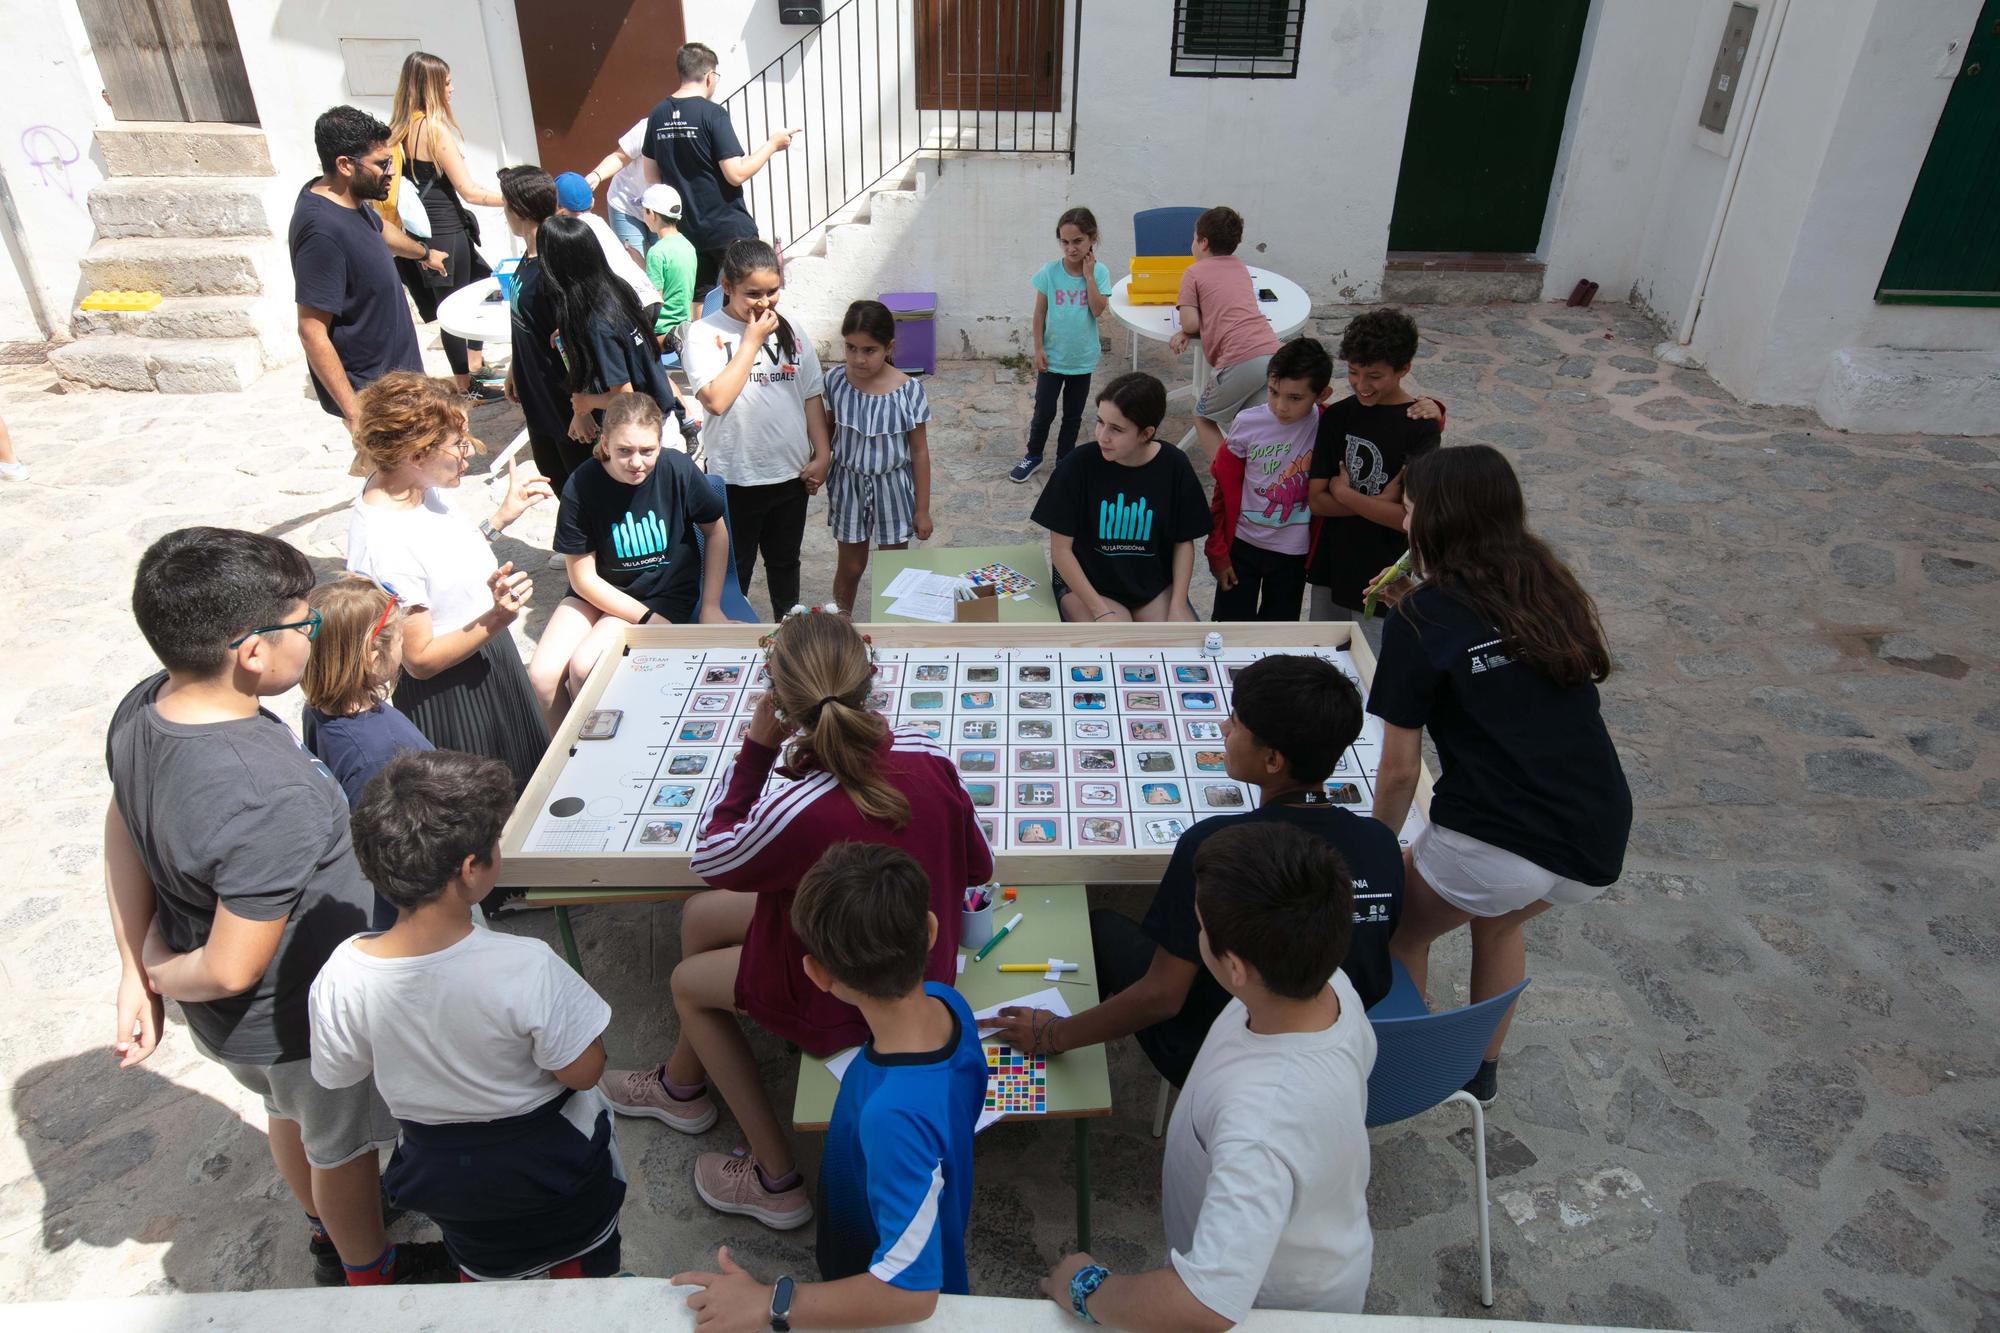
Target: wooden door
594, 67
989, 55
169, 60
1486, 117
1947, 251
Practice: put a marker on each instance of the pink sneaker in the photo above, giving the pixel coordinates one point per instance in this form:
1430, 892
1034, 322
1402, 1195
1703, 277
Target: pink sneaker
728, 1183
640, 1092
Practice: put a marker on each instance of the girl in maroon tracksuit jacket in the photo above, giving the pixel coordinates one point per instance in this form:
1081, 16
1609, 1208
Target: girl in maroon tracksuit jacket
857, 780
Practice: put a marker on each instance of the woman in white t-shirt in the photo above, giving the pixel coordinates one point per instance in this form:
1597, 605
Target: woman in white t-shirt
462, 681
758, 380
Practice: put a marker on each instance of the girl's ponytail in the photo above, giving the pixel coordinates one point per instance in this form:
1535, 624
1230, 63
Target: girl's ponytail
821, 674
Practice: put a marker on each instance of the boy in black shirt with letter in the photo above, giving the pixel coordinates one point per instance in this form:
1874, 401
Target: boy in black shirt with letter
1365, 441
1124, 513
1292, 721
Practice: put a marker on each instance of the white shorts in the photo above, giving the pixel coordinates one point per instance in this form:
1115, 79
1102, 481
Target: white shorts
1485, 880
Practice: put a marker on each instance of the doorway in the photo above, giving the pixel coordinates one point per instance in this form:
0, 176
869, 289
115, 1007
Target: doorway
989, 55
593, 69
169, 60
1486, 118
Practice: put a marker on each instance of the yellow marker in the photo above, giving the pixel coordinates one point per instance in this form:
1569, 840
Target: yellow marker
1053, 965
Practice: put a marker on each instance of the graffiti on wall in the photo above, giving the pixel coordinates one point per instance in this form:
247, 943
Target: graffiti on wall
52, 153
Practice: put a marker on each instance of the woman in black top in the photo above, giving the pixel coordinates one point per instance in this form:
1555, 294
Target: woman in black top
434, 165
602, 336
1498, 652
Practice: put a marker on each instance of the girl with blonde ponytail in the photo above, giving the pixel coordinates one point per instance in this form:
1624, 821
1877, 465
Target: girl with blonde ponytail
854, 779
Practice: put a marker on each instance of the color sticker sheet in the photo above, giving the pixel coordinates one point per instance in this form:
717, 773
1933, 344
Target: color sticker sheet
1113, 750
1016, 1084
1009, 581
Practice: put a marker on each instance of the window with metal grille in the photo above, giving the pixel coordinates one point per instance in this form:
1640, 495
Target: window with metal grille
1237, 39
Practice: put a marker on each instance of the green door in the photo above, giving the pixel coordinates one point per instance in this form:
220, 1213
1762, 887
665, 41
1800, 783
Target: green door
1947, 251
1486, 118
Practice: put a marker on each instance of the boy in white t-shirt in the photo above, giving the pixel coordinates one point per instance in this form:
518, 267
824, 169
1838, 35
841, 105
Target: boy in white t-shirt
1265, 1181
486, 1047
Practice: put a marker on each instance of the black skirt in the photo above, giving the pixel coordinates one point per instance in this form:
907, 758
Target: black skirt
483, 706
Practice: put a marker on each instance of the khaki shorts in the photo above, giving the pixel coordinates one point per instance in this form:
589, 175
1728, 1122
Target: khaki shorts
1233, 389
337, 1124
1485, 880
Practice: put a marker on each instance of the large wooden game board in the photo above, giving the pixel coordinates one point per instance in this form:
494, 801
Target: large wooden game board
1087, 750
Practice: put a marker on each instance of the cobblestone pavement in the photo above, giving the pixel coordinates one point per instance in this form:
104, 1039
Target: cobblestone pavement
1753, 1087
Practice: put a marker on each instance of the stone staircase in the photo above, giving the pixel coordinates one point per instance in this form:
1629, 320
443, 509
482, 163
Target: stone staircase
184, 213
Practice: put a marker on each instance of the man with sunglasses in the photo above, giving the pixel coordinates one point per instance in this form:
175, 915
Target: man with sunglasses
354, 323
232, 877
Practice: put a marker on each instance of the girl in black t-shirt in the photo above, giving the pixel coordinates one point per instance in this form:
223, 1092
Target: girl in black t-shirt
626, 530
1498, 652
604, 337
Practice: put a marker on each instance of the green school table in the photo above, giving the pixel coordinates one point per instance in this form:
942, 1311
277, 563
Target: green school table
1029, 559
1055, 923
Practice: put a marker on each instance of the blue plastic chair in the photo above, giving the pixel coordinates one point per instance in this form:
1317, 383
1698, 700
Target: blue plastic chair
1164, 231
1422, 1060
734, 604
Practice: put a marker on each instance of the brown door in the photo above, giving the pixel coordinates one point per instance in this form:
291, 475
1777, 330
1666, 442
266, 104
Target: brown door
169, 60
594, 67
989, 55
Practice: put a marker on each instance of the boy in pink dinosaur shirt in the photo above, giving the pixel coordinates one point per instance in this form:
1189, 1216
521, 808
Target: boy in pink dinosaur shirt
1262, 524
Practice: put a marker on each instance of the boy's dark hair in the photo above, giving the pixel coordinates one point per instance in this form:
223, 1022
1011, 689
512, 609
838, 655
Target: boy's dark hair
860, 912
1278, 898
346, 131
1141, 398
529, 192
422, 815
1387, 336
1222, 228
1302, 707
1303, 359
695, 61
198, 588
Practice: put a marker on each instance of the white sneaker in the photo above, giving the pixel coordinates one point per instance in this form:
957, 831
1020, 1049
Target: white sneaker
13, 471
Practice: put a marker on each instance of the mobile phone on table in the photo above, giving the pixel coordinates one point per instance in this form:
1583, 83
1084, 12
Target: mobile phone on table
1266, 294
494, 297
601, 724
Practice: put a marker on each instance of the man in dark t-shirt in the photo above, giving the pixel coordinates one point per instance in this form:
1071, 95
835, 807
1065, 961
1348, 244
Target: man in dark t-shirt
691, 145
353, 321
1292, 720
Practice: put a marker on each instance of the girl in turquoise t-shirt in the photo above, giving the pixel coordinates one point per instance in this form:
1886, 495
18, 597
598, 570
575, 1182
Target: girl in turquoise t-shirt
1070, 293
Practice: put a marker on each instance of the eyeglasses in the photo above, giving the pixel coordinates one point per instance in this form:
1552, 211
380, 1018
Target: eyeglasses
387, 611
310, 625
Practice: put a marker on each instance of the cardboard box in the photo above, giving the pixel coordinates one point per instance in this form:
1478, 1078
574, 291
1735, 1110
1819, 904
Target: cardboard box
982, 608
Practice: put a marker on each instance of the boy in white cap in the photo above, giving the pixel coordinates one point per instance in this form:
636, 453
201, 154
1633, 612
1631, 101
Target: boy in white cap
670, 263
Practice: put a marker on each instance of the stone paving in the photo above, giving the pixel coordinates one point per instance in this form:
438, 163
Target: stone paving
1752, 1087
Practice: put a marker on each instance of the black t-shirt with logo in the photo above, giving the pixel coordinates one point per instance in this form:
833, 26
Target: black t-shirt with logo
1374, 444
643, 536
1124, 522
687, 138
1528, 764
539, 379
1374, 859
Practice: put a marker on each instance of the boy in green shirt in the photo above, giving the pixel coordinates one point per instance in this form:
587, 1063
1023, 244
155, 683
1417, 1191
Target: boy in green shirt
670, 263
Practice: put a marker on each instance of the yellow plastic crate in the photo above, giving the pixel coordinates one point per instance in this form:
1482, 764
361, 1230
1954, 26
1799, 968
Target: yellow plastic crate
1156, 279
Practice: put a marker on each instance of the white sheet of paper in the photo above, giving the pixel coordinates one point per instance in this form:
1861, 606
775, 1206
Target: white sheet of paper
1050, 999
924, 606
836, 1065
906, 581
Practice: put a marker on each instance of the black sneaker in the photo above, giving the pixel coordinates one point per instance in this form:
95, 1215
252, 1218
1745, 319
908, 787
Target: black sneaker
327, 1271
689, 429
1025, 468
1485, 1085
423, 1261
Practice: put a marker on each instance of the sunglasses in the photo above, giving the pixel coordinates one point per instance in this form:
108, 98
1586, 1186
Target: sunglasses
310, 625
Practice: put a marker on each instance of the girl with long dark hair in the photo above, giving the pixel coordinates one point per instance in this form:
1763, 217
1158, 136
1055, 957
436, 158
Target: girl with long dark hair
759, 381
603, 334
1498, 651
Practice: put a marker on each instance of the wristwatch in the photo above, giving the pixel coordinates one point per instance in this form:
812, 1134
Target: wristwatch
488, 531
781, 1305
1083, 1284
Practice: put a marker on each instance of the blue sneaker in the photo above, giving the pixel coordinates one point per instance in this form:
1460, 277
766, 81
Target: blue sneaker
1025, 468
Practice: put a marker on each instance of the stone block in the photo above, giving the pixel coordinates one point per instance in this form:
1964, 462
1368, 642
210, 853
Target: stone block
1888, 391
173, 266
1434, 287
168, 365
162, 148
155, 206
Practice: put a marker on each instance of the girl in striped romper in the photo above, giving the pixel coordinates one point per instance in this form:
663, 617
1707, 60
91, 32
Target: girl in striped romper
880, 485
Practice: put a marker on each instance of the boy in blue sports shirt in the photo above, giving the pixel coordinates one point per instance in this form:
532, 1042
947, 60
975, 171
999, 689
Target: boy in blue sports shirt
895, 1184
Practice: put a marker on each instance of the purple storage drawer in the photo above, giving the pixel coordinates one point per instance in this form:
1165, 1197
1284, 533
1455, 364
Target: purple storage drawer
916, 330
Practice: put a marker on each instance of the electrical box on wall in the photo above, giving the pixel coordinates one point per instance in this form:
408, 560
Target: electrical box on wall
802, 13
1730, 59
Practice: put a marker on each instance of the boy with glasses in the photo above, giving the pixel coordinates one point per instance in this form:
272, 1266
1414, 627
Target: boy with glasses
232, 877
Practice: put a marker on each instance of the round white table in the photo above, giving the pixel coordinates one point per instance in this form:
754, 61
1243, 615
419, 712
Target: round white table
1287, 316
467, 314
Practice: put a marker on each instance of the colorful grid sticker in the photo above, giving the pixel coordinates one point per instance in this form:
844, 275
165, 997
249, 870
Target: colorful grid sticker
1016, 1084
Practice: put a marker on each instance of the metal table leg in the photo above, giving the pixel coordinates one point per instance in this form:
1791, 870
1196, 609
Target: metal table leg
568, 940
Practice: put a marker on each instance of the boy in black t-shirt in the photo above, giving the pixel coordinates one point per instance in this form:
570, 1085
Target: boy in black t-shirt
1365, 441
1290, 728
1124, 513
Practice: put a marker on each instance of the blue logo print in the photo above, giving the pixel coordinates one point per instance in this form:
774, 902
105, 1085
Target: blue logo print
636, 538
1118, 521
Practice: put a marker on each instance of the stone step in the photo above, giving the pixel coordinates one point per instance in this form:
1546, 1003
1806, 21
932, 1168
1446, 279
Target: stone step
165, 365
1890, 391
174, 266
168, 148
174, 317
185, 206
